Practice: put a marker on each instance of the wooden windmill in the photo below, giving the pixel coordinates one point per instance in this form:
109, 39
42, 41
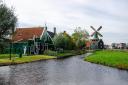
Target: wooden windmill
96, 43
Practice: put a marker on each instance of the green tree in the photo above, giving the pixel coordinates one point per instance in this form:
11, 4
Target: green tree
63, 40
80, 37
80, 44
7, 23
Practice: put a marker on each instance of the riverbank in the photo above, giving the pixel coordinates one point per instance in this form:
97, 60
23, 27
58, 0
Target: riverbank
24, 59
4, 58
65, 53
70, 53
117, 59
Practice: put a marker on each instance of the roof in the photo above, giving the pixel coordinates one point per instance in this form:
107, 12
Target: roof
24, 34
51, 34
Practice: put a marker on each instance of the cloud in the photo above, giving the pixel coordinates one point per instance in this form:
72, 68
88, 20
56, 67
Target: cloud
67, 14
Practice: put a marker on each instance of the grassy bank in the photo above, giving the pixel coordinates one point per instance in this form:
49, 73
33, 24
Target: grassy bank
24, 59
2, 56
118, 59
65, 53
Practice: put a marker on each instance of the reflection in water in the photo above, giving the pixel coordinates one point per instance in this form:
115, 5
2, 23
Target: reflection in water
69, 71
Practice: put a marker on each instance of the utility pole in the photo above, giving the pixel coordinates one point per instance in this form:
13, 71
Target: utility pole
10, 50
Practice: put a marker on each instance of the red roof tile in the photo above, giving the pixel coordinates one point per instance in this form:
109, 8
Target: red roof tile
24, 34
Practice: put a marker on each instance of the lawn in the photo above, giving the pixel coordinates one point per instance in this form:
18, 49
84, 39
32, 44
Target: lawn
24, 59
118, 59
6, 55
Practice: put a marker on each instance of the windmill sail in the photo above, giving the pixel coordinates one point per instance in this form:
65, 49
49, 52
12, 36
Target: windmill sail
99, 34
99, 28
93, 28
96, 33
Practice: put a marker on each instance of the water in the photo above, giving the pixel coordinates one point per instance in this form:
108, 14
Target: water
68, 71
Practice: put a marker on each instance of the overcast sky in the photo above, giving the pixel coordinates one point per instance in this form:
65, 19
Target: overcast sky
69, 14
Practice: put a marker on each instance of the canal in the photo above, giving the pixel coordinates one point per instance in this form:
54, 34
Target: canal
68, 71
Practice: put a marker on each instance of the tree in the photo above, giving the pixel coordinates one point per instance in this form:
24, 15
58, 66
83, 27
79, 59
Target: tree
7, 23
80, 37
80, 44
63, 40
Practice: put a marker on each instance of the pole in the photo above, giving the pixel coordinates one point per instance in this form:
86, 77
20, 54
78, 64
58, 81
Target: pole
10, 50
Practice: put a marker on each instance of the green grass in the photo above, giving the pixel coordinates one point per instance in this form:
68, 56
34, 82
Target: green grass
68, 53
6, 55
118, 59
24, 59
65, 53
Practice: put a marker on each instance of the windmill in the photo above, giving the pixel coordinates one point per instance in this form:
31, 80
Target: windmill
96, 33
96, 43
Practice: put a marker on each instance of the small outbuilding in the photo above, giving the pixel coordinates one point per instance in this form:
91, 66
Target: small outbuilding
95, 44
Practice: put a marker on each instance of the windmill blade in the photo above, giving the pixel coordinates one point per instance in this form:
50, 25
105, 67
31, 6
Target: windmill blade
99, 28
93, 28
93, 34
99, 34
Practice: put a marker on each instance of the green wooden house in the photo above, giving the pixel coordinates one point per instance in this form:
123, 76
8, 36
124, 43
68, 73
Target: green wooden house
33, 40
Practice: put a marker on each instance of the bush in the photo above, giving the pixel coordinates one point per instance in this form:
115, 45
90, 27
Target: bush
50, 53
63, 41
80, 44
4, 44
79, 52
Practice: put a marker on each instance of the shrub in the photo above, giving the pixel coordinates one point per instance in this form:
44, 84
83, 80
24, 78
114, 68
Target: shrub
50, 53
80, 44
63, 41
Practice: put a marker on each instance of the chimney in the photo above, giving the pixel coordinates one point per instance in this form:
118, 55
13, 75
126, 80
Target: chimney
45, 26
54, 30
